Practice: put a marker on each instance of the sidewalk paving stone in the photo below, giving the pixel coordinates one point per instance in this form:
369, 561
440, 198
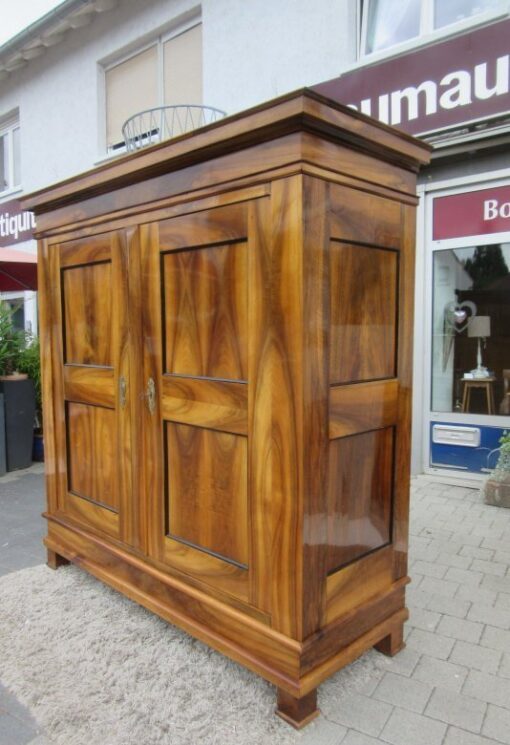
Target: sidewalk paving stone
459, 628
478, 658
407, 728
456, 736
457, 709
440, 673
404, 692
497, 724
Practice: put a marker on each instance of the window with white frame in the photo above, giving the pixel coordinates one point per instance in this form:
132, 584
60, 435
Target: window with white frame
387, 23
10, 160
166, 72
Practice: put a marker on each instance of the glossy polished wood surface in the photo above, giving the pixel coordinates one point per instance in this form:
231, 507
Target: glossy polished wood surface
207, 490
88, 314
91, 453
226, 330
360, 495
363, 312
206, 308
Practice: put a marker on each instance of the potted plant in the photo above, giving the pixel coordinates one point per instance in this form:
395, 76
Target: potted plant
29, 363
497, 486
18, 394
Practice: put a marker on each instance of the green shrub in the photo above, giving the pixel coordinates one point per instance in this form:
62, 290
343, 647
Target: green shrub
12, 341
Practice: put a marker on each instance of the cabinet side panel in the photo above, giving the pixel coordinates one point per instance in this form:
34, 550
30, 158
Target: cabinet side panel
371, 349
363, 313
360, 481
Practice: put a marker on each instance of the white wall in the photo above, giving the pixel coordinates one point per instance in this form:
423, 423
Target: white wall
254, 50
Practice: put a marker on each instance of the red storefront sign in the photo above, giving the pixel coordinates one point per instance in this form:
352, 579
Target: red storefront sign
452, 82
16, 225
472, 213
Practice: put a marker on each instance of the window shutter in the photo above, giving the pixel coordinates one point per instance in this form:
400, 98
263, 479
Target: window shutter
183, 68
131, 86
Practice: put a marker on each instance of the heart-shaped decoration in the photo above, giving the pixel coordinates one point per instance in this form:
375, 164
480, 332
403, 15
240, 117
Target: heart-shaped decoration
458, 316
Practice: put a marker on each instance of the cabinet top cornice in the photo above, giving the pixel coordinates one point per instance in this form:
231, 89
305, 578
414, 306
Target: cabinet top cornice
301, 111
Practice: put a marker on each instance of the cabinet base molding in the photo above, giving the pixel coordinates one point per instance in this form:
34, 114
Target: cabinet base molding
294, 667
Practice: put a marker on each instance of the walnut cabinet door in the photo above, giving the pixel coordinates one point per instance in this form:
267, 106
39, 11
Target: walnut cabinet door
93, 383
199, 388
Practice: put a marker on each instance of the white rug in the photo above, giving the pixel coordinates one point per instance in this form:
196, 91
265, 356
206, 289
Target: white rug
94, 668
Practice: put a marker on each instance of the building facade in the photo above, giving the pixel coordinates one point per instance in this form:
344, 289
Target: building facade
438, 70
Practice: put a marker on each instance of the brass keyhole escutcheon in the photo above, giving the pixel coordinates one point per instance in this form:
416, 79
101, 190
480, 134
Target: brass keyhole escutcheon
151, 395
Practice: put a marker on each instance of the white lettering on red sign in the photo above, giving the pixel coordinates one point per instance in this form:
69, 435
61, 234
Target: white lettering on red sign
457, 88
16, 225
493, 209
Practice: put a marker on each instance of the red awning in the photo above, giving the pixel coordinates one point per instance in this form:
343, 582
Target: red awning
18, 270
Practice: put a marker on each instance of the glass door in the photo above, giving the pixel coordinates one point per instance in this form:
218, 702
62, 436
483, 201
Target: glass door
469, 354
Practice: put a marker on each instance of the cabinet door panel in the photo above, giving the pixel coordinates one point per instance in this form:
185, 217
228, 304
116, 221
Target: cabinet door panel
91, 457
93, 411
195, 328
205, 304
207, 490
88, 314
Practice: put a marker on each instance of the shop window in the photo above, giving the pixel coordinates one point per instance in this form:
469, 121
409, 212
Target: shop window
169, 72
10, 160
458, 10
387, 23
391, 22
471, 330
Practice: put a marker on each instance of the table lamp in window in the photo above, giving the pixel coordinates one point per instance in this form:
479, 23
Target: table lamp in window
480, 328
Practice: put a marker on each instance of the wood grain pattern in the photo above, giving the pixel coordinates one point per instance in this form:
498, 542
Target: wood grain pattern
88, 314
207, 490
286, 406
206, 227
357, 583
349, 209
206, 304
94, 386
260, 411
49, 404
363, 313
93, 515
212, 404
90, 441
210, 571
85, 251
360, 494
361, 407
315, 362
347, 627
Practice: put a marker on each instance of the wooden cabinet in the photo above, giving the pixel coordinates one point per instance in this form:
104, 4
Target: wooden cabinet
226, 326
